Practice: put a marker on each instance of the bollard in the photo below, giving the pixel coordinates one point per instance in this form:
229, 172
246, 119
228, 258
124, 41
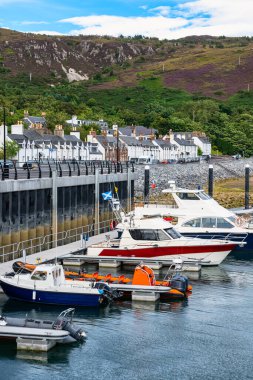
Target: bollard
210, 180
246, 201
146, 184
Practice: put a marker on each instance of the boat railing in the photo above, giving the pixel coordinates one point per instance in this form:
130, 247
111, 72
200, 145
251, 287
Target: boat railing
237, 238
153, 204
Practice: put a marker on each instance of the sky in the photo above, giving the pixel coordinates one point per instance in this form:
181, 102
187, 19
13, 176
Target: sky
152, 18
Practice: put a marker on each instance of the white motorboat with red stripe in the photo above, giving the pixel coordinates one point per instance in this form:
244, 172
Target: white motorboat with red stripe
155, 238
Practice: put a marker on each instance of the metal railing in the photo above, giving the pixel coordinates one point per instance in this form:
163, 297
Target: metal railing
65, 168
42, 243
233, 237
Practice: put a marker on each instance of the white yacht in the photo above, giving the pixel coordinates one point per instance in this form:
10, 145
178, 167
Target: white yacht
154, 237
194, 213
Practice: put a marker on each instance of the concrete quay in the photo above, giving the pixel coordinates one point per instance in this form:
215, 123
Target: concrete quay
61, 251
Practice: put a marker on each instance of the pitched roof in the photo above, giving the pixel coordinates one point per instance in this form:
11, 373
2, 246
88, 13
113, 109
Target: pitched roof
17, 137
108, 141
32, 135
148, 143
184, 142
72, 138
165, 143
35, 119
204, 139
128, 140
139, 131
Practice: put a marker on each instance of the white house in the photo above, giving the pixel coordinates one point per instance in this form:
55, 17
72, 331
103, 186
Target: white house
186, 148
36, 146
204, 144
167, 150
139, 132
134, 147
74, 121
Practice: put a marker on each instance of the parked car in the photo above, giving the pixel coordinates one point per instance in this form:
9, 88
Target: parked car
237, 156
30, 165
9, 164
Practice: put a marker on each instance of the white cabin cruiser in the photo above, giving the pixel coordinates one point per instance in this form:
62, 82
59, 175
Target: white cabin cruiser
153, 237
196, 214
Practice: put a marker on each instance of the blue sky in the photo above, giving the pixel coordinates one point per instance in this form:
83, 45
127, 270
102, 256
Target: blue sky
163, 19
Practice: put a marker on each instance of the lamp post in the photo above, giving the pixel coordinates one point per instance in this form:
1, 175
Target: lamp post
5, 172
116, 129
4, 139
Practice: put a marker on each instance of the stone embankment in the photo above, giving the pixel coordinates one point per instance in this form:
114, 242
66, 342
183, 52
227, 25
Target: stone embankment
190, 175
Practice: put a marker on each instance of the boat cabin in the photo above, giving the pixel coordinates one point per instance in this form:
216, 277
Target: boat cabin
51, 274
146, 228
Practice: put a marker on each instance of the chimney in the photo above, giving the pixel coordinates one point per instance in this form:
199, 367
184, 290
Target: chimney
76, 133
133, 128
26, 113
17, 129
91, 136
59, 131
43, 114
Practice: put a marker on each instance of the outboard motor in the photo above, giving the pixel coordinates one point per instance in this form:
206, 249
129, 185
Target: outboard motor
108, 293
64, 322
179, 282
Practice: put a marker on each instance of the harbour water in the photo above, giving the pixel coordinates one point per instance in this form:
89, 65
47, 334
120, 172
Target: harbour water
209, 336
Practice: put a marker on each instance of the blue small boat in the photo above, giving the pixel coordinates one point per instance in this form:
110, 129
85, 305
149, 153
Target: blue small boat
47, 285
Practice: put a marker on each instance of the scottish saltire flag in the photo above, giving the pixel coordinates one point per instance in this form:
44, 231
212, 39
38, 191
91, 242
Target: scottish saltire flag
107, 196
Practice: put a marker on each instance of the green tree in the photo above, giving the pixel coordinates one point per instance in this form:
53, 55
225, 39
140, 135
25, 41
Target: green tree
200, 151
12, 149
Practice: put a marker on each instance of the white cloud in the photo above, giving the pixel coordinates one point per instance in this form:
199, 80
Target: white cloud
159, 26
213, 17
163, 10
47, 32
33, 22
143, 7
8, 2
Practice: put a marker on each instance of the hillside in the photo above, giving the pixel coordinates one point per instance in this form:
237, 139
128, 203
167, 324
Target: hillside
193, 84
212, 66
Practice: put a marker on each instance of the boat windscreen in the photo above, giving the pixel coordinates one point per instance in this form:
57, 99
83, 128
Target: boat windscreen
232, 219
172, 233
39, 275
203, 196
188, 196
149, 234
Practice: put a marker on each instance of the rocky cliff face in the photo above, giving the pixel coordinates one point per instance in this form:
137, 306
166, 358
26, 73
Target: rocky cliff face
75, 58
213, 66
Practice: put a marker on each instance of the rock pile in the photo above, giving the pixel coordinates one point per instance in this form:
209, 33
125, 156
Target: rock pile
190, 175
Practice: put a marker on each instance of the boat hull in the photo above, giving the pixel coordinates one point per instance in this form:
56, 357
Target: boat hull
209, 254
50, 297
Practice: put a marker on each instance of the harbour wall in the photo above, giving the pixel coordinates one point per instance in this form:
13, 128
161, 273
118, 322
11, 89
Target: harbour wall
40, 213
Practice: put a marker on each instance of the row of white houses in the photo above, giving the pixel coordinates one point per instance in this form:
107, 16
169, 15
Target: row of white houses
125, 143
